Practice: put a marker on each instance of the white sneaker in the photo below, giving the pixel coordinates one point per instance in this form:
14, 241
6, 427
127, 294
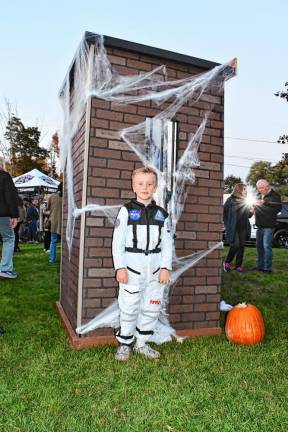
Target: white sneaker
122, 353
147, 351
225, 307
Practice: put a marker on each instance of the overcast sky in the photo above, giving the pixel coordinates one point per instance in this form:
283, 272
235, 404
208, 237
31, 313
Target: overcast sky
38, 41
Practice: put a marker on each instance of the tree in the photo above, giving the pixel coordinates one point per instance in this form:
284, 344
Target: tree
277, 175
280, 176
229, 183
25, 151
283, 139
9, 111
54, 152
260, 170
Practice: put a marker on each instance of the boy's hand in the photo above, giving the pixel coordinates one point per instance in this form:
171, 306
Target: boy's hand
164, 277
122, 275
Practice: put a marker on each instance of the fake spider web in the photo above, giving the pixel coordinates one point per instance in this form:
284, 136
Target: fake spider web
94, 76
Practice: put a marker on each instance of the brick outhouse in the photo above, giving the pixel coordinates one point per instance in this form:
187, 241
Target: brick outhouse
102, 171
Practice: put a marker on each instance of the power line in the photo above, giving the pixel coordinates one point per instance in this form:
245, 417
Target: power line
252, 140
238, 166
249, 158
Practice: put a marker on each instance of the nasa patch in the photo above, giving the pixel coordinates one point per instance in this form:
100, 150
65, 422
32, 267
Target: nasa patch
135, 214
159, 216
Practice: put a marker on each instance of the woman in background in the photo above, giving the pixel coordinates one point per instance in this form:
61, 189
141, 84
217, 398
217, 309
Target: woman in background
237, 226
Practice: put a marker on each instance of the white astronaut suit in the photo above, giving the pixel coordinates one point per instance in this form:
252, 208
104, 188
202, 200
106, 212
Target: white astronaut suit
142, 243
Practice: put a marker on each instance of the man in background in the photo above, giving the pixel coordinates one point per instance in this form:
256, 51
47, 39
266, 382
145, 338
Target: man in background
18, 227
266, 210
32, 216
8, 221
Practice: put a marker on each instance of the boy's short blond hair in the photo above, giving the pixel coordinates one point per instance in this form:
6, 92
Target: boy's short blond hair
145, 170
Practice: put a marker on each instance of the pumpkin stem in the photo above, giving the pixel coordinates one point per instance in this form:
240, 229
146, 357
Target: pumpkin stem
242, 305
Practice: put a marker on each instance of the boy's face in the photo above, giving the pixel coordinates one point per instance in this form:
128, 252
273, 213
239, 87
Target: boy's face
144, 186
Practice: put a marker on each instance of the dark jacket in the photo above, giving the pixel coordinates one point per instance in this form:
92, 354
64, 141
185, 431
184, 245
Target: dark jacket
266, 214
8, 196
32, 213
236, 213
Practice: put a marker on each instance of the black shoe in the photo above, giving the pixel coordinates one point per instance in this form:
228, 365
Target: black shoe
267, 271
258, 269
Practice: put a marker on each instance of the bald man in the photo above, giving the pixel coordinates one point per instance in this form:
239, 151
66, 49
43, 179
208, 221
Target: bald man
266, 210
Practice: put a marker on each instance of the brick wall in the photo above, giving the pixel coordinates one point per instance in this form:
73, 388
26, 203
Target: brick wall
194, 300
70, 268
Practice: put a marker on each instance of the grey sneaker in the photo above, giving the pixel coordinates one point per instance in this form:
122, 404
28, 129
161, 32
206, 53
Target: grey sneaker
123, 352
8, 274
147, 351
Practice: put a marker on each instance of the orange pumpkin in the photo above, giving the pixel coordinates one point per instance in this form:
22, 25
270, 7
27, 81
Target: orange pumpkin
245, 325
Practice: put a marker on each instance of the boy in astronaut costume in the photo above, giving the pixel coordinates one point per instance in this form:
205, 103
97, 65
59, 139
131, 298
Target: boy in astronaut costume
142, 254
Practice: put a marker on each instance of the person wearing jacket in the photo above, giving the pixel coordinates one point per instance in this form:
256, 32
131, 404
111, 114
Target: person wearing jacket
237, 226
32, 216
17, 229
54, 208
8, 221
266, 210
45, 223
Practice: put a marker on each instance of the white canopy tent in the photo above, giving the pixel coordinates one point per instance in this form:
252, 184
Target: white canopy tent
34, 181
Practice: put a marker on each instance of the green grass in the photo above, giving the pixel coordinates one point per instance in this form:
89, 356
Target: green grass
204, 384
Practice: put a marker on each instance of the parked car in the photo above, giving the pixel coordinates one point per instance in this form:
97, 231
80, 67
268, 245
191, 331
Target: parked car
280, 234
